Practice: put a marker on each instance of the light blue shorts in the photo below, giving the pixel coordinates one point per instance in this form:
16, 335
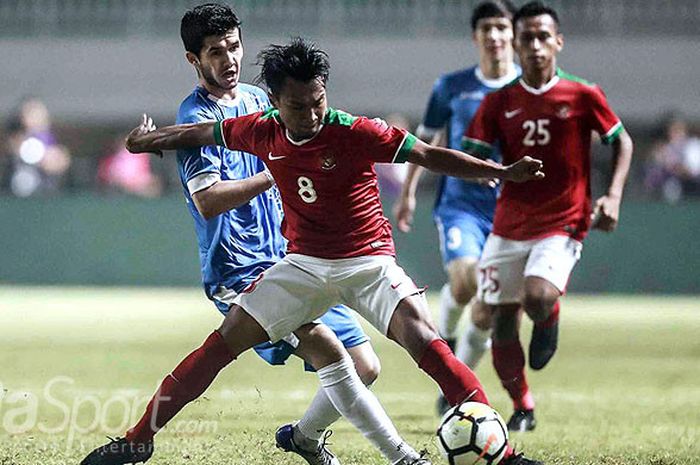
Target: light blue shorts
462, 234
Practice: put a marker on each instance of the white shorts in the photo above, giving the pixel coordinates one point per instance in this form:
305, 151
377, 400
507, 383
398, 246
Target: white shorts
299, 288
505, 263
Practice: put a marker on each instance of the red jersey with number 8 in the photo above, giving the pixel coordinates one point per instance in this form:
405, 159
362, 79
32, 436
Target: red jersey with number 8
554, 124
328, 185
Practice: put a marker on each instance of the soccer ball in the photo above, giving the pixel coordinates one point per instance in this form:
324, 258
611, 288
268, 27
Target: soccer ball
472, 433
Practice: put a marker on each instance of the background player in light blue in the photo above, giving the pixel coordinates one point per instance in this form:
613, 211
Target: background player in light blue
237, 212
464, 210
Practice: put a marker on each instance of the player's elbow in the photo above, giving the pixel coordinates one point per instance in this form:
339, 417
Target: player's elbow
421, 155
626, 143
623, 145
205, 206
206, 212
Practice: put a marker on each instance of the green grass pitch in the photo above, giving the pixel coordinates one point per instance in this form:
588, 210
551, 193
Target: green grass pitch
78, 364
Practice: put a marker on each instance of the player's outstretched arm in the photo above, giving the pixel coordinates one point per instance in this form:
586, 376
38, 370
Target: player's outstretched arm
606, 212
147, 138
226, 195
454, 163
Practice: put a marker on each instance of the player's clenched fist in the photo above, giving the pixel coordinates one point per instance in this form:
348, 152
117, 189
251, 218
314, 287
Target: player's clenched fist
525, 169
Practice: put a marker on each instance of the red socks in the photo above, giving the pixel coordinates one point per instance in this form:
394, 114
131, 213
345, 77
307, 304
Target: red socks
455, 379
188, 381
551, 319
509, 362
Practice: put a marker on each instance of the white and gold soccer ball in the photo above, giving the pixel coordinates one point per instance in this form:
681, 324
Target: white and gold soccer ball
472, 433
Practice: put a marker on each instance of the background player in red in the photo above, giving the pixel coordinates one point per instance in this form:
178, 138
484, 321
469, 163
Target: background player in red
463, 211
340, 244
538, 227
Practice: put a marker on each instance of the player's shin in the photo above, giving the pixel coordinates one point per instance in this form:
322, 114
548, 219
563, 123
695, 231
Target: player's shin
186, 382
361, 408
450, 313
455, 379
473, 344
509, 362
319, 416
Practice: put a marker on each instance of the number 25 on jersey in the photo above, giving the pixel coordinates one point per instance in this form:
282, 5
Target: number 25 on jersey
536, 132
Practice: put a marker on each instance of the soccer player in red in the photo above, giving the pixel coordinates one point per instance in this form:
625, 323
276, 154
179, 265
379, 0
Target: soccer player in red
340, 245
538, 227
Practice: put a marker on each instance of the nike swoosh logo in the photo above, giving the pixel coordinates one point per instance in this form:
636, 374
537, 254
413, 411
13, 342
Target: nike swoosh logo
271, 157
510, 114
394, 286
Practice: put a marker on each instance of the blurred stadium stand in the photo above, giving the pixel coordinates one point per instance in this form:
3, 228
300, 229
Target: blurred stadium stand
109, 59
119, 18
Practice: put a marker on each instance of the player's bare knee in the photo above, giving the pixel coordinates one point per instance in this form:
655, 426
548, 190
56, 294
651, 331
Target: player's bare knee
481, 315
538, 303
318, 345
412, 327
463, 283
367, 365
240, 331
540, 297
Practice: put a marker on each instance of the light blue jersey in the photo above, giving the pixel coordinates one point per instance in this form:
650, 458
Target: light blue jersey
237, 245
463, 209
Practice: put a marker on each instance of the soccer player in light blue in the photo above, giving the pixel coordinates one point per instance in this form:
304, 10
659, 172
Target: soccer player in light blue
237, 214
464, 210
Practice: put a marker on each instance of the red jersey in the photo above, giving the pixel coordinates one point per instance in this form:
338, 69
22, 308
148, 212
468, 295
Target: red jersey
329, 189
554, 124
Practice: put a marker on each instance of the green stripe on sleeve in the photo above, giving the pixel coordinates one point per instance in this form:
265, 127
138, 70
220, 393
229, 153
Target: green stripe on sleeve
405, 149
219, 134
477, 147
613, 134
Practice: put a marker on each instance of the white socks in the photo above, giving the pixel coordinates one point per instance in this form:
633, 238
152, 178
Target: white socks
319, 416
472, 345
360, 407
450, 313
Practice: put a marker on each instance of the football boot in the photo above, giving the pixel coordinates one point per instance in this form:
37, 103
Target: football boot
522, 420
118, 452
320, 455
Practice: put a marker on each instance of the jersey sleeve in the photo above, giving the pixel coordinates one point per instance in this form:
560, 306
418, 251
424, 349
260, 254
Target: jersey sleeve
438, 112
239, 133
380, 142
481, 135
201, 166
603, 120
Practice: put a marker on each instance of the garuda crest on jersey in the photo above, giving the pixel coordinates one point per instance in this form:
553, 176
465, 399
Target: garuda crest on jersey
328, 162
563, 111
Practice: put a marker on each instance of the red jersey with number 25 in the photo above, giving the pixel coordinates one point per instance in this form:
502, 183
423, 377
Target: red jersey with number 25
554, 124
329, 189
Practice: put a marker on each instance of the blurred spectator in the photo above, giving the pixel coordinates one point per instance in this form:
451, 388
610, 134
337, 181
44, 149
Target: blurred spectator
124, 172
35, 163
673, 170
391, 175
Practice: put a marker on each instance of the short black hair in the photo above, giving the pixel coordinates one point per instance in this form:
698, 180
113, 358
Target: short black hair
492, 9
532, 9
208, 19
299, 60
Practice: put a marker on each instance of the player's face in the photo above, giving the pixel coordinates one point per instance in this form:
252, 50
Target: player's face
219, 61
494, 38
537, 42
302, 106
